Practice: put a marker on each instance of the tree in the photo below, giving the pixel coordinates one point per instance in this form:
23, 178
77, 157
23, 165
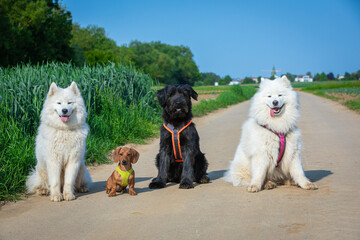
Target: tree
209, 78
317, 77
34, 31
290, 76
308, 73
226, 80
347, 76
96, 46
330, 76
169, 64
323, 77
248, 80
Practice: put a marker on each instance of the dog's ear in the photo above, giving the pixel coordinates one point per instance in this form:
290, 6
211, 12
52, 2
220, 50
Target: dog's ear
135, 156
161, 96
191, 91
263, 83
285, 80
75, 88
53, 89
116, 154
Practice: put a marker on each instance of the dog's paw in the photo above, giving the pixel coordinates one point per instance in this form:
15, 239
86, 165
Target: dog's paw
43, 191
186, 185
56, 197
154, 185
310, 186
253, 189
132, 192
82, 189
68, 196
112, 194
270, 185
204, 179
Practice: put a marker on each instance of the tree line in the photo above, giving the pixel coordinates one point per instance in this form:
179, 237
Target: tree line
38, 31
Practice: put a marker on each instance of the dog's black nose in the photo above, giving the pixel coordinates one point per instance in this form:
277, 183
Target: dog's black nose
64, 111
275, 102
124, 162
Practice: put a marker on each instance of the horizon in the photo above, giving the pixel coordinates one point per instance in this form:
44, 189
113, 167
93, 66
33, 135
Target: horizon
240, 39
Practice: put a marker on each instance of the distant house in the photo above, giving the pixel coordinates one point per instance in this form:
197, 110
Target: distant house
304, 78
340, 77
236, 81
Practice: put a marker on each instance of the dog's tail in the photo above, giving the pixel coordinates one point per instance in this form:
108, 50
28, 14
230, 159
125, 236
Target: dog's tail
237, 175
37, 182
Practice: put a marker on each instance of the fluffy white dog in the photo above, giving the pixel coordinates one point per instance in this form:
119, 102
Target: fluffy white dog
60, 146
269, 152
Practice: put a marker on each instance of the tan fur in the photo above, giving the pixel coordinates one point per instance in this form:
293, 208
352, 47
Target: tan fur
125, 157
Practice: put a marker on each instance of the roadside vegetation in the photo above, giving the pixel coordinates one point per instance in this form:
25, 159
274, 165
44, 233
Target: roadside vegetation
346, 92
234, 95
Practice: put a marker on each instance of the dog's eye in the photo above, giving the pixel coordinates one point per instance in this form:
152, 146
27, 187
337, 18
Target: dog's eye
269, 96
128, 154
59, 103
121, 154
280, 95
69, 102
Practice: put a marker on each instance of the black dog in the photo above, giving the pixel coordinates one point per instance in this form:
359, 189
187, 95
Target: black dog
179, 158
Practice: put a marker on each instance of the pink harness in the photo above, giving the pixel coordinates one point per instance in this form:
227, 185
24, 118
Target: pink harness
282, 138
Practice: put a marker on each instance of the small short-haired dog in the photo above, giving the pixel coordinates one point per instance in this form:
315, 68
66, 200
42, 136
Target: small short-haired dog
124, 175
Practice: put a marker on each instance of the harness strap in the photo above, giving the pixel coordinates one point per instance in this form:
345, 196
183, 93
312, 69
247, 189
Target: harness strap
125, 175
175, 137
282, 138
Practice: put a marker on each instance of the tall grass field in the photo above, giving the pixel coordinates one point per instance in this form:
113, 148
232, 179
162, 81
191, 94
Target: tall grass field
120, 102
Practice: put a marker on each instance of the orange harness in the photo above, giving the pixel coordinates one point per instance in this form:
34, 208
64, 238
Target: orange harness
175, 133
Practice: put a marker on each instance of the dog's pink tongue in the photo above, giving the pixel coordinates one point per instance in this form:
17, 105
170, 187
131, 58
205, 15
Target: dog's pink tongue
272, 112
64, 118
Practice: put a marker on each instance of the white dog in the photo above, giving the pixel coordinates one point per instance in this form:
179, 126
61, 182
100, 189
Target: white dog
269, 152
60, 146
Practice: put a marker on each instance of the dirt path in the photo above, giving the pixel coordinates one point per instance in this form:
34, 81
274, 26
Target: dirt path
331, 158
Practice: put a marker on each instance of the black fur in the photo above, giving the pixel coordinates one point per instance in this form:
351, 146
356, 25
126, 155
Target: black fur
176, 103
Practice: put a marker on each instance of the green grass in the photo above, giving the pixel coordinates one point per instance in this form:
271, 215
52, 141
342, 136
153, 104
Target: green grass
120, 102
352, 104
351, 88
234, 95
351, 91
212, 89
330, 85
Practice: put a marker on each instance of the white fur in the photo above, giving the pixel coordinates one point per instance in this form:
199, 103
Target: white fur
60, 146
255, 158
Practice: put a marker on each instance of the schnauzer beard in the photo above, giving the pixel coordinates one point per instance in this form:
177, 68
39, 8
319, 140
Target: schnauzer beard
177, 113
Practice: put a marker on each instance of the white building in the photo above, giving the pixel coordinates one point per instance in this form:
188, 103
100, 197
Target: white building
304, 78
235, 81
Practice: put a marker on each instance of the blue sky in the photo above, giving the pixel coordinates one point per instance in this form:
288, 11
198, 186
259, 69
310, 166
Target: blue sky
239, 38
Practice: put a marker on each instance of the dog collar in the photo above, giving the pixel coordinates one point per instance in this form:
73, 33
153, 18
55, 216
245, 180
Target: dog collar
175, 137
282, 139
125, 175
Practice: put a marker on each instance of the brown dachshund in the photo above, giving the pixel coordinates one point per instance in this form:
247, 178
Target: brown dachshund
124, 175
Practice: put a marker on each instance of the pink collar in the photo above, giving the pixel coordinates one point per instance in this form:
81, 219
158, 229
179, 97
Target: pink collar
282, 138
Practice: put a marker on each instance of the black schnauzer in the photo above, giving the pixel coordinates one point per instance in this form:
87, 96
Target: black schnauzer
179, 158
